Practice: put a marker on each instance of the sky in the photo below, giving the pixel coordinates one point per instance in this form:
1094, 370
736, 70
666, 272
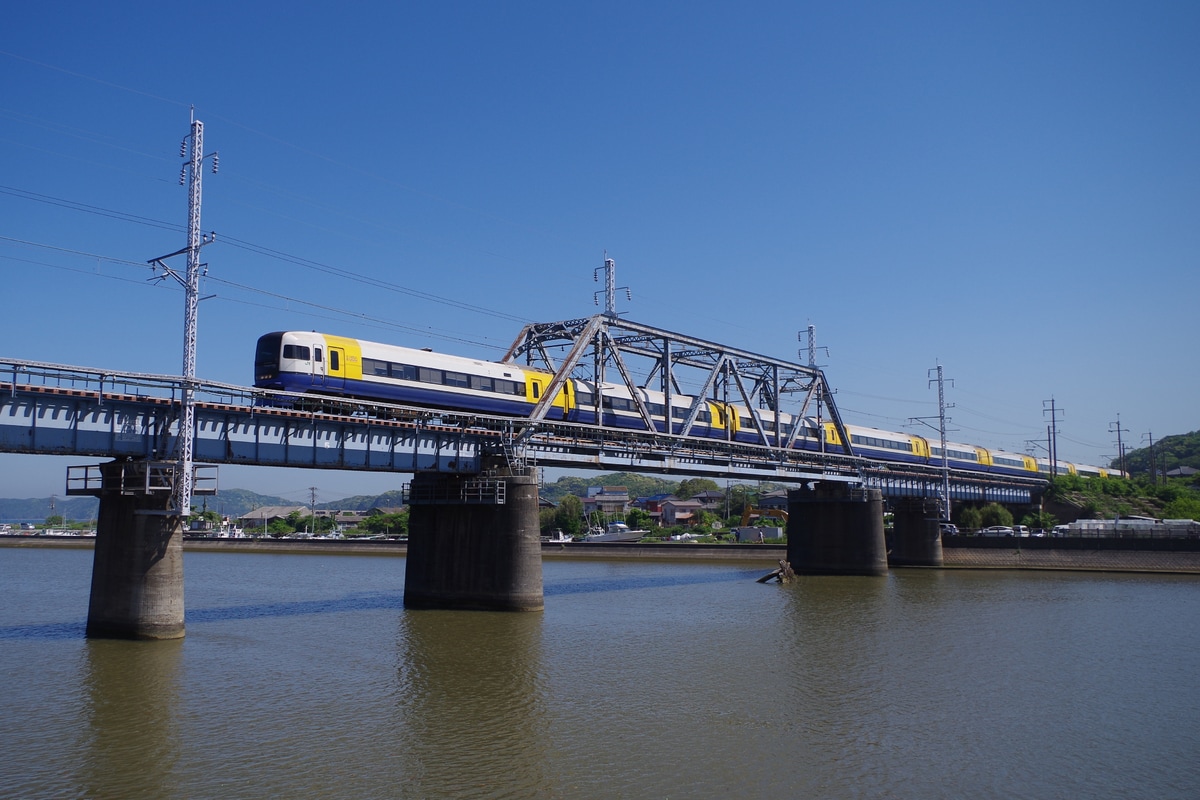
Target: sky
1010, 190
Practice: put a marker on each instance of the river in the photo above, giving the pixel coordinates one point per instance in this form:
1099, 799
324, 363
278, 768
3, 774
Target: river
304, 676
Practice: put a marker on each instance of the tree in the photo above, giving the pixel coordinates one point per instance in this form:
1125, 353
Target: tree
1041, 519
739, 496
995, 514
693, 486
638, 519
54, 521
569, 515
387, 524
970, 519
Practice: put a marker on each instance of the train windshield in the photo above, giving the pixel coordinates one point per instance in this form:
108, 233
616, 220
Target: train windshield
267, 352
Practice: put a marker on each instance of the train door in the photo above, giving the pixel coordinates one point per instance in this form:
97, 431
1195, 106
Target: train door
335, 369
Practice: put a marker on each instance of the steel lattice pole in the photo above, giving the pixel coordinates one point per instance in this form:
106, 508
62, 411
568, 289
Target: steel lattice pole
187, 425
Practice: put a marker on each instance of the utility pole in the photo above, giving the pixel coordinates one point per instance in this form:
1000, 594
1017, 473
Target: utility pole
941, 428
1115, 427
192, 148
1053, 433
812, 363
1153, 461
610, 287
312, 507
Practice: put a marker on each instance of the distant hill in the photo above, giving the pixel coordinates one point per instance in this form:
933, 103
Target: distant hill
36, 510
1180, 450
227, 502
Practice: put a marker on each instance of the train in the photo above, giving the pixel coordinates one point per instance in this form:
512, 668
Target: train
312, 363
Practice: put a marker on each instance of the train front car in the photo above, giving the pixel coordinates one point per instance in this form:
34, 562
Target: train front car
305, 361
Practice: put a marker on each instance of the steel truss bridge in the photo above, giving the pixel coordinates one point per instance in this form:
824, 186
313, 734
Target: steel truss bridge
54, 409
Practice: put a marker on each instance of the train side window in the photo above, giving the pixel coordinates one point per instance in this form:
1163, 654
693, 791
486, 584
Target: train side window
536, 390
482, 383
296, 351
457, 379
317, 354
334, 361
427, 375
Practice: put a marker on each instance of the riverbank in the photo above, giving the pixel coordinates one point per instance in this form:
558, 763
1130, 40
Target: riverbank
1087, 555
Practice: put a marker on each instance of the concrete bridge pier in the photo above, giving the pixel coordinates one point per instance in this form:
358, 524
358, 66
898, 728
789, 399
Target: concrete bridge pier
137, 568
473, 543
836, 529
916, 533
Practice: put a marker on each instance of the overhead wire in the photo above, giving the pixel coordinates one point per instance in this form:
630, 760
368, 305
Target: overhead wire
262, 250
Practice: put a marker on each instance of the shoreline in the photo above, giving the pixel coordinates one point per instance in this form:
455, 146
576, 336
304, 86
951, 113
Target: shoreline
1075, 556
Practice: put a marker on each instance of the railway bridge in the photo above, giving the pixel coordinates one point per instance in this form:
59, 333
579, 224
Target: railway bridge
474, 524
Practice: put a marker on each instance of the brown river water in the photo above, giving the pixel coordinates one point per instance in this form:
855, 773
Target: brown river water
304, 676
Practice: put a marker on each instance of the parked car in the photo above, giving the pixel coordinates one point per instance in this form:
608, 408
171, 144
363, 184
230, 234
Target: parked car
997, 530
949, 529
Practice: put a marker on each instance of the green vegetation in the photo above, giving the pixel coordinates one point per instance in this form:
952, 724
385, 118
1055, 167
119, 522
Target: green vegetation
1071, 497
995, 514
1171, 452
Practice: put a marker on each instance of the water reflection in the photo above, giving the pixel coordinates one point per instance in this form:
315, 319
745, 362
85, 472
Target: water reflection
471, 704
130, 734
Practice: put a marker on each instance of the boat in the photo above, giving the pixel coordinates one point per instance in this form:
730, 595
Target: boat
614, 532
558, 538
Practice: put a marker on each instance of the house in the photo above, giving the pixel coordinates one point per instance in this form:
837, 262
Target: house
777, 499
652, 505
711, 500
606, 500
260, 518
679, 512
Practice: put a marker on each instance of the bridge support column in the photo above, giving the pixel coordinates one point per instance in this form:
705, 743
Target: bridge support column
137, 568
916, 533
836, 529
473, 543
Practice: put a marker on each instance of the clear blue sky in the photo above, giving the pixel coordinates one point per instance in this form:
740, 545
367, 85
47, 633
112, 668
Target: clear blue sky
1011, 189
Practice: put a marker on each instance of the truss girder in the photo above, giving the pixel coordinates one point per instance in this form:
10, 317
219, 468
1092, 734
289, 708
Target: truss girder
614, 340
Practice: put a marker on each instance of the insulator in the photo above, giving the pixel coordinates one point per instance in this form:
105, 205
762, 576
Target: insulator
216, 162
183, 149
182, 175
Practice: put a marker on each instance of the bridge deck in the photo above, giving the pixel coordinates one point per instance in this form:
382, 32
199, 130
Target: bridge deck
61, 410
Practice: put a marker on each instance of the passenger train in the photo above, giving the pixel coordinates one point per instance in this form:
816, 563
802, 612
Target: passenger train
316, 363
